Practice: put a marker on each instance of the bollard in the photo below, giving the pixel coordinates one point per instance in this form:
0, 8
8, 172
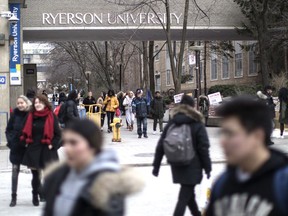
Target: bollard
116, 125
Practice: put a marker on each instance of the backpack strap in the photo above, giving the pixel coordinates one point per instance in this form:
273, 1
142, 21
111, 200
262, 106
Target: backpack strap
280, 189
219, 185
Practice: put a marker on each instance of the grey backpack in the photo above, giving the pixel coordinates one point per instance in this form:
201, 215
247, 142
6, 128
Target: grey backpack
178, 145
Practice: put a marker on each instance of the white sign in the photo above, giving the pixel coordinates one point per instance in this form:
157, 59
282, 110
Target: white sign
215, 98
110, 18
192, 59
178, 98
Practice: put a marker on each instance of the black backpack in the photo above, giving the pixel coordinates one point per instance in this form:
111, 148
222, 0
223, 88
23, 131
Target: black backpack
62, 113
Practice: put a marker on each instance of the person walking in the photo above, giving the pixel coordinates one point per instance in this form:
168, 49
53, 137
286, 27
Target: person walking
91, 181
204, 107
192, 136
100, 101
41, 136
127, 103
13, 132
112, 104
140, 109
68, 111
157, 109
283, 117
255, 181
89, 100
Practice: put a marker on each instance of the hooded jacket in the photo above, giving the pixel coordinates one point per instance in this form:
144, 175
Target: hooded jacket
99, 190
157, 107
189, 174
254, 195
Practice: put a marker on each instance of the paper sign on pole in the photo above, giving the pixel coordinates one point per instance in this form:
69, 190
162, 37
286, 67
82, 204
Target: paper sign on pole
178, 98
192, 59
215, 98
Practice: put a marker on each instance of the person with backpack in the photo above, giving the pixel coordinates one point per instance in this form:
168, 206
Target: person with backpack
13, 132
68, 111
185, 144
140, 109
256, 179
157, 109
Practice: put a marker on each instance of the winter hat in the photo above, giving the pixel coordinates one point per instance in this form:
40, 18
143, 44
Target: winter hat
188, 100
27, 101
89, 130
139, 91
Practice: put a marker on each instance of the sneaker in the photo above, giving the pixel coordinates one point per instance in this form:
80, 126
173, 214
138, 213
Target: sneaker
145, 136
139, 136
282, 137
154, 132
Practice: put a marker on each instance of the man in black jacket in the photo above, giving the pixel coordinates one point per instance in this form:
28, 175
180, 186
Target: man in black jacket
187, 175
256, 176
157, 109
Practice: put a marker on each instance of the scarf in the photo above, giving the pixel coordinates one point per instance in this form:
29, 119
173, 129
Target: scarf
48, 127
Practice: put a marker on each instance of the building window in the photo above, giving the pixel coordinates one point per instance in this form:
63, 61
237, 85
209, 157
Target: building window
168, 77
225, 67
157, 83
214, 71
238, 65
252, 64
157, 52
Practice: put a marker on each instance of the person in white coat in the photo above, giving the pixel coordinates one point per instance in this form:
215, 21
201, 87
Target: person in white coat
127, 103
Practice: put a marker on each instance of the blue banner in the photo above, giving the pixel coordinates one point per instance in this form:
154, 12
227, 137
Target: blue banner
15, 48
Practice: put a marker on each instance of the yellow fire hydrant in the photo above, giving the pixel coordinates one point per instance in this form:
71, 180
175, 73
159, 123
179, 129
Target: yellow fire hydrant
116, 125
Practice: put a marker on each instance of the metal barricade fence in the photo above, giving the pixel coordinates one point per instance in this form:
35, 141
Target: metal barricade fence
3, 124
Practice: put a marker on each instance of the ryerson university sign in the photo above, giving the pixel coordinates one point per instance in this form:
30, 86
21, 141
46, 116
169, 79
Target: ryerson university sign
108, 18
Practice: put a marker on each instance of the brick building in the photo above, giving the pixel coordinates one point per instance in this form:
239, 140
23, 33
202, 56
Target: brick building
241, 69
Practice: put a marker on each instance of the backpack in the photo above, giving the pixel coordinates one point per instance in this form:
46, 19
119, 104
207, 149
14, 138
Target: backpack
280, 184
178, 145
62, 113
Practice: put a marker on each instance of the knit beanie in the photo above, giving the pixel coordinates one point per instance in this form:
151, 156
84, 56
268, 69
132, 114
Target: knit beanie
27, 101
89, 130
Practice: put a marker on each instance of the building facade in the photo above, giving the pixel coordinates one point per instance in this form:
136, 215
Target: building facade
238, 68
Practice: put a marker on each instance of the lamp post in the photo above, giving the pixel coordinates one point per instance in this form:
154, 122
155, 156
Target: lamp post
197, 50
88, 73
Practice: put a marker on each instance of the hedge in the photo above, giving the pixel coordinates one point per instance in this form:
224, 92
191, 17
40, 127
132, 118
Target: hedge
233, 90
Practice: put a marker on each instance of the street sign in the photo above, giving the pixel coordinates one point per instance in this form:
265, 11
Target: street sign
2, 80
215, 98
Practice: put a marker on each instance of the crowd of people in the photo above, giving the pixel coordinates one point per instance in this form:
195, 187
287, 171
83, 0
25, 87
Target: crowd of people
92, 182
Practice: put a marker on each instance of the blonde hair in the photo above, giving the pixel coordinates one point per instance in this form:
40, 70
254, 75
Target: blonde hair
26, 100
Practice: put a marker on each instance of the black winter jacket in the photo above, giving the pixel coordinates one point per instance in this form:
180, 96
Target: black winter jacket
254, 196
140, 107
89, 101
190, 174
37, 154
157, 107
13, 132
104, 195
71, 111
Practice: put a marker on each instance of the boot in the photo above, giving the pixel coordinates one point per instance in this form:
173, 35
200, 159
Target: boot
35, 199
41, 195
13, 200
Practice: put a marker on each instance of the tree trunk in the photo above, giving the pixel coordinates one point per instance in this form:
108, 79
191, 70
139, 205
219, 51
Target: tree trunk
205, 68
145, 65
151, 66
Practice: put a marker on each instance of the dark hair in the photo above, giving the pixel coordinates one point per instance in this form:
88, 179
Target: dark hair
252, 113
112, 92
72, 95
104, 94
30, 93
89, 130
188, 100
283, 94
42, 98
266, 88
157, 92
62, 97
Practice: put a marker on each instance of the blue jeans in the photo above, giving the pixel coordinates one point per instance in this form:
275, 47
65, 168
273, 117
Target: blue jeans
140, 121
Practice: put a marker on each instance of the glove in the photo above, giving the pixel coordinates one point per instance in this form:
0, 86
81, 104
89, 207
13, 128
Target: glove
155, 172
208, 175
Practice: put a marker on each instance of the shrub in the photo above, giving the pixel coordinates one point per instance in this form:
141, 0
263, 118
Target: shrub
233, 90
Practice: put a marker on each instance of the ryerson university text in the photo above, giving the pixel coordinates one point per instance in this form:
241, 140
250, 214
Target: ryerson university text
111, 19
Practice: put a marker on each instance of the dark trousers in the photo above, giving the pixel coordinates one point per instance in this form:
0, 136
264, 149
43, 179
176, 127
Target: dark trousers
102, 119
160, 124
15, 174
36, 182
187, 198
110, 117
141, 121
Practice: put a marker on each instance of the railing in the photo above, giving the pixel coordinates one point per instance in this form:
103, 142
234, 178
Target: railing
3, 124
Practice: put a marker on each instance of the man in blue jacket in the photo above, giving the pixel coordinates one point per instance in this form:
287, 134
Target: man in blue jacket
140, 110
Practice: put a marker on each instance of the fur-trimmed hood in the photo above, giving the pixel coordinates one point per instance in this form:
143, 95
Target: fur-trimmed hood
123, 182
261, 95
187, 111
